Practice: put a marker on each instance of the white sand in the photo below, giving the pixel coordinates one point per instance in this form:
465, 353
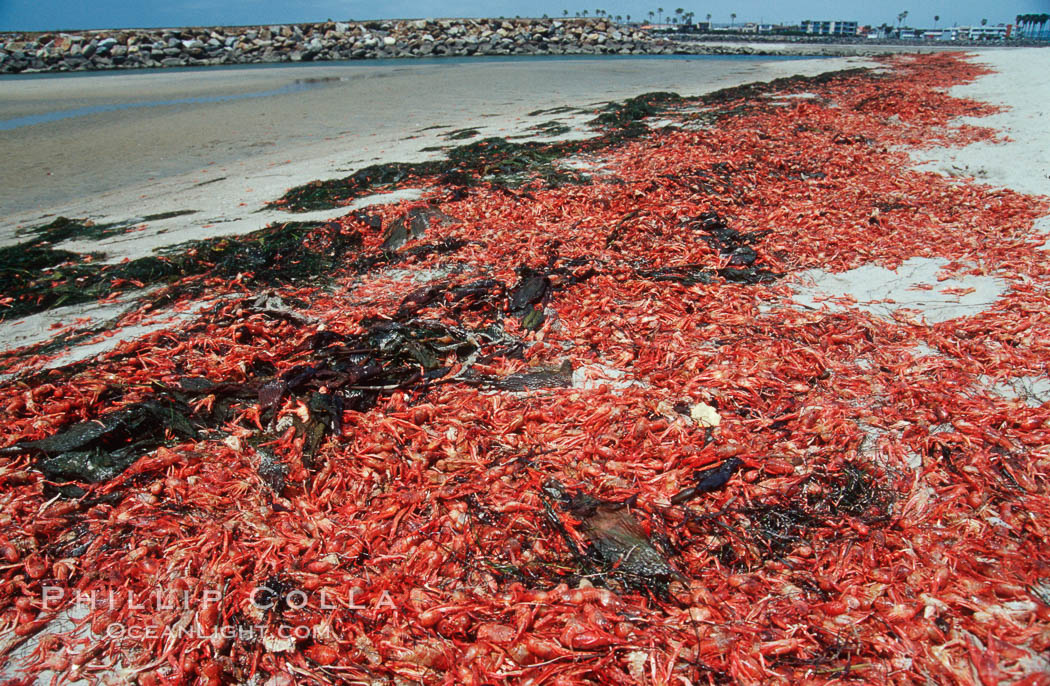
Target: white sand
1022, 164
883, 292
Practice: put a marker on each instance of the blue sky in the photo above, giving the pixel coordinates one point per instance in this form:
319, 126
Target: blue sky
46, 15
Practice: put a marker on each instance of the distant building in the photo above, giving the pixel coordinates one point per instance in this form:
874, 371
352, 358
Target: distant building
998, 32
938, 34
752, 27
829, 28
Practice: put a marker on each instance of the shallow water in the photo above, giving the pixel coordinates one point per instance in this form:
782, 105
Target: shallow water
302, 84
407, 62
44, 117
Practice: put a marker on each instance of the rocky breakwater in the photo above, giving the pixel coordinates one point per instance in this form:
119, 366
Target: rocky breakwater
139, 48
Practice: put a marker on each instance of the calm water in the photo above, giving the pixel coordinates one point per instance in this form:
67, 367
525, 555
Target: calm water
17, 122
410, 61
310, 83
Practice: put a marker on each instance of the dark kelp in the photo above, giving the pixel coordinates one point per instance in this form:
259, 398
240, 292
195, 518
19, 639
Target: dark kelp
98, 450
39, 277
618, 549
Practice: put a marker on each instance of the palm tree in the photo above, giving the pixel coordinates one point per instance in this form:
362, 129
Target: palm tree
565, 13
709, 19
680, 11
585, 13
901, 17
628, 19
660, 11
651, 15
936, 18
732, 19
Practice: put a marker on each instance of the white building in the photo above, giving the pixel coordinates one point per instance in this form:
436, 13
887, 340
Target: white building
997, 32
830, 28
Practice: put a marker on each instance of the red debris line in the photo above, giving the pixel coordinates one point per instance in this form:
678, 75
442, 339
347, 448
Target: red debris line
889, 523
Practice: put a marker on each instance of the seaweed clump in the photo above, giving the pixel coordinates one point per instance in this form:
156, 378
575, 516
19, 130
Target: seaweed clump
37, 277
744, 537
494, 160
625, 115
96, 451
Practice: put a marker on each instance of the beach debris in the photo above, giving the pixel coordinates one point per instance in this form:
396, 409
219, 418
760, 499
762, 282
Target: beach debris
271, 470
460, 134
35, 277
413, 225
708, 480
625, 115
535, 379
704, 415
617, 540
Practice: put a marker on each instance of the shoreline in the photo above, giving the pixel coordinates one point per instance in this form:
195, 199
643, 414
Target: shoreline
228, 193
356, 115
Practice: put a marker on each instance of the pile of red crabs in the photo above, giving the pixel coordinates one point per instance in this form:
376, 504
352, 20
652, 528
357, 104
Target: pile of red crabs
570, 433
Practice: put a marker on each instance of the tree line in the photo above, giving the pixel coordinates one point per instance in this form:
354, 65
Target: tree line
1026, 23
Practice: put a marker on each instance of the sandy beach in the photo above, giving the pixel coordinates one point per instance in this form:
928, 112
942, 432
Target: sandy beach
134, 162
217, 165
748, 387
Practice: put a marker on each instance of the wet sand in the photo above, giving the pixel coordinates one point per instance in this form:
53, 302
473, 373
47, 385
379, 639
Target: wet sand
144, 160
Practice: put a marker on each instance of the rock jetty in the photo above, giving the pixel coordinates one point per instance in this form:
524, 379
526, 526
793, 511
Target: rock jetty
183, 47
